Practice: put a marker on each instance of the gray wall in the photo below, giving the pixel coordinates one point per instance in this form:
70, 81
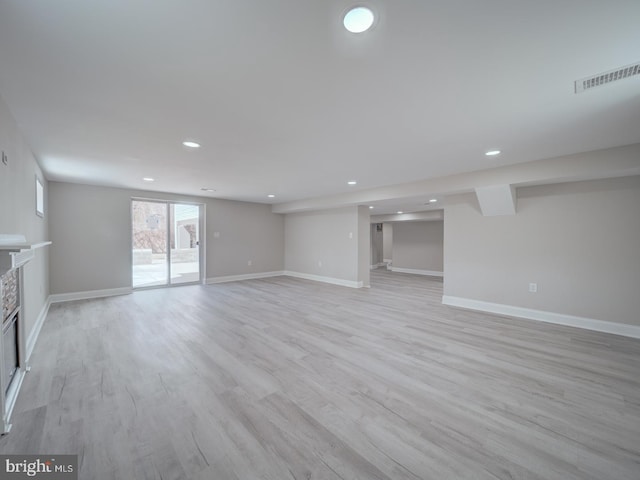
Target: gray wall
248, 231
91, 230
364, 245
318, 243
376, 245
91, 234
18, 212
418, 245
580, 242
387, 241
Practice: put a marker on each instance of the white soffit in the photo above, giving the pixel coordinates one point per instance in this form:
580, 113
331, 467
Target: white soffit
497, 200
433, 215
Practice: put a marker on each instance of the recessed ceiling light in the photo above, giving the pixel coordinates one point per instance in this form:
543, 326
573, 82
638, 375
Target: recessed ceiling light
492, 153
433, 200
352, 182
271, 195
358, 19
370, 206
205, 189
148, 179
191, 144
400, 213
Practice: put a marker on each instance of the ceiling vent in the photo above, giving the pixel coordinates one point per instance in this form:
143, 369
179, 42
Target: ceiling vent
607, 77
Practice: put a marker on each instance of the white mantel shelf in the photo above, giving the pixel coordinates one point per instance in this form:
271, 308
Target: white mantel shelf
16, 254
16, 247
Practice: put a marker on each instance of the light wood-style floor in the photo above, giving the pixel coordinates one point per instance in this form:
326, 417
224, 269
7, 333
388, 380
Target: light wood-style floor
284, 378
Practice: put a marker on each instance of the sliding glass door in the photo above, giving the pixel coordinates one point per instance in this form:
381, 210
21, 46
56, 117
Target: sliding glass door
184, 240
149, 223
165, 243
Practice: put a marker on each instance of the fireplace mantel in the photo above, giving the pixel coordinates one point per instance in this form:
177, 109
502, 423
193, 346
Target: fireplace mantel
15, 251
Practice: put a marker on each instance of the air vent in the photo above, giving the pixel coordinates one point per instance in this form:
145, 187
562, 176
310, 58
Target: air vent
607, 77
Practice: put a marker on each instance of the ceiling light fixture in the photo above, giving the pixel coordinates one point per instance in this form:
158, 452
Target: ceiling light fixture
148, 179
352, 182
191, 144
271, 195
400, 213
370, 206
205, 189
358, 19
433, 200
492, 153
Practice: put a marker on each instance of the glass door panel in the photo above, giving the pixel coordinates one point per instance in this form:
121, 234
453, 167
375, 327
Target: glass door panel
150, 238
184, 238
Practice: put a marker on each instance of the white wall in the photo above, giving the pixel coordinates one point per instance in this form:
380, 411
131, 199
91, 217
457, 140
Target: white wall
580, 242
418, 246
325, 244
91, 230
18, 212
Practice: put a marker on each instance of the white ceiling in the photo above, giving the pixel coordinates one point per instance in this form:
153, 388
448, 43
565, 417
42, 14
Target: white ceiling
284, 100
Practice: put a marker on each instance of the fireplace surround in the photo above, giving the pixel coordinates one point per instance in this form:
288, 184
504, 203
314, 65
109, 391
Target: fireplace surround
15, 252
10, 291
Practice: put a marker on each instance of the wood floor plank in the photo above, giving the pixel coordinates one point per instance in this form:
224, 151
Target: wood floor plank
283, 378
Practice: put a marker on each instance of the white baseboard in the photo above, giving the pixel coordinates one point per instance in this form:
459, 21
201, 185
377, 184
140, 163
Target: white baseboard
35, 331
109, 292
377, 265
319, 278
543, 316
12, 397
414, 271
246, 276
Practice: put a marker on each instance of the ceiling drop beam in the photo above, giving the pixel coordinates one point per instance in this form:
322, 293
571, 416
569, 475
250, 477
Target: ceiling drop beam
497, 200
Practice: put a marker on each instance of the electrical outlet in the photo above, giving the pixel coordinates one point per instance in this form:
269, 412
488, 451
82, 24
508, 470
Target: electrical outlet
249, 262
533, 288
216, 234
350, 234
320, 263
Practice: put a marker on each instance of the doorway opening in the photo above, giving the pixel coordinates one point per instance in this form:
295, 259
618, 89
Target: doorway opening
381, 245
165, 243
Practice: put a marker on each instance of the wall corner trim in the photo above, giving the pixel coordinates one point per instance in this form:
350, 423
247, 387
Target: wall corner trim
331, 280
414, 271
108, 292
614, 328
37, 327
245, 276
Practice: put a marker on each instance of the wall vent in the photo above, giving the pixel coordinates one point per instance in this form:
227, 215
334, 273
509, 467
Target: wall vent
607, 77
